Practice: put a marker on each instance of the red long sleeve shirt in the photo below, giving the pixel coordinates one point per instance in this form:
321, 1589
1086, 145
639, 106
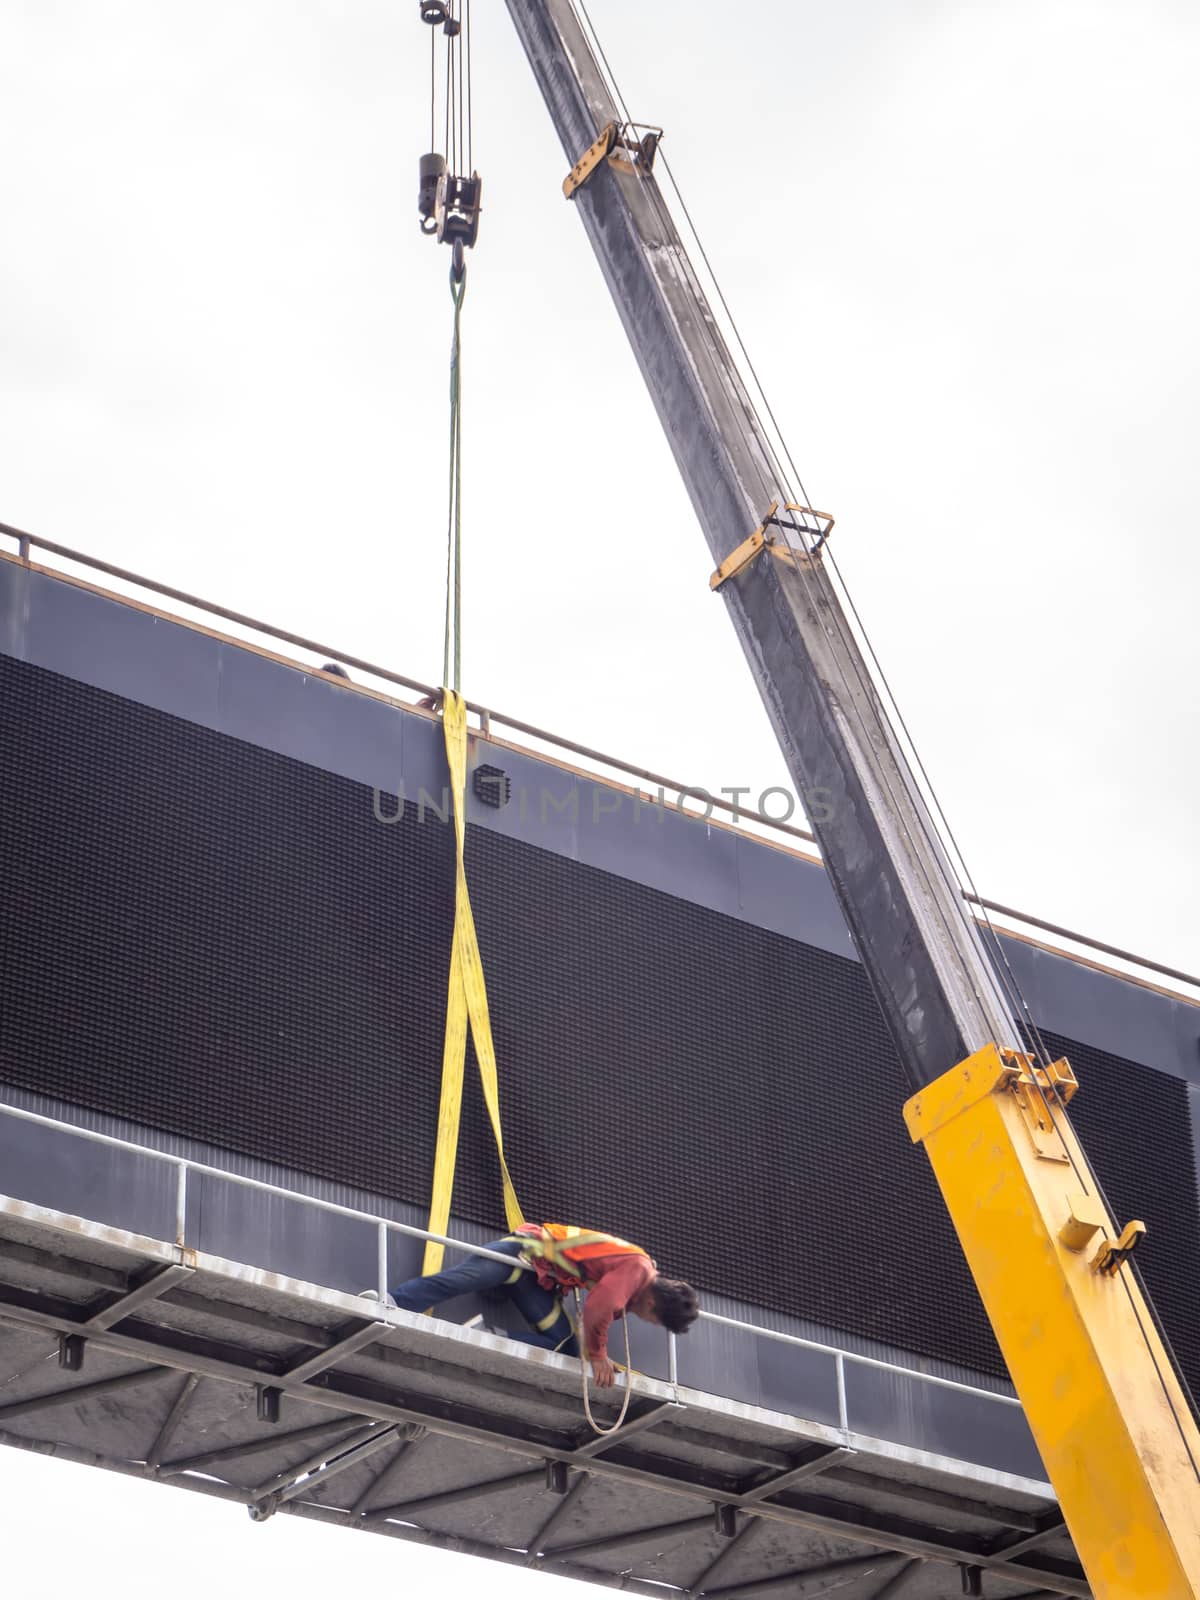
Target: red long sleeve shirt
613, 1281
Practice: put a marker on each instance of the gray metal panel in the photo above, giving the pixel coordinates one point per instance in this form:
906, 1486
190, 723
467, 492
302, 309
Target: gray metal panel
1123, 1018
118, 647
545, 808
791, 897
946, 1421
308, 718
105, 1185
280, 1235
797, 1380
15, 584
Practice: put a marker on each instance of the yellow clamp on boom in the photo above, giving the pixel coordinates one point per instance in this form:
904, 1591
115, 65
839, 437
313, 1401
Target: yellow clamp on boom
466, 1003
765, 538
590, 159
619, 144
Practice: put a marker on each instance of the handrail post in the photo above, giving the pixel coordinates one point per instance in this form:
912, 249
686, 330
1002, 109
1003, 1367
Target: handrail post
381, 1262
843, 1413
181, 1173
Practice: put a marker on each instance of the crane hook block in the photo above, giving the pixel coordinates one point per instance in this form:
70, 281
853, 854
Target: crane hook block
456, 209
449, 204
434, 13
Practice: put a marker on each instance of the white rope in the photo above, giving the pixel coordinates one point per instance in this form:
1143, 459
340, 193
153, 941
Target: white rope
583, 1373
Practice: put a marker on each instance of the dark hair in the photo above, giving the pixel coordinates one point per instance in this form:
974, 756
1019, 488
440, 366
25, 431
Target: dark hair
676, 1304
333, 666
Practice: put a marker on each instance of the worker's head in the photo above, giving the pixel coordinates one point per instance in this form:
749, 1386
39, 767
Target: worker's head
336, 668
672, 1304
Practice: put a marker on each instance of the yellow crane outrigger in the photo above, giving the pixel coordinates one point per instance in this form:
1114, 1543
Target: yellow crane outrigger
1110, 1417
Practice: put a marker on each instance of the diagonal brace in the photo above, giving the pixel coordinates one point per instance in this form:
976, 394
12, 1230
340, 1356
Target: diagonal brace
82, 1392
150, 1288
806, 1469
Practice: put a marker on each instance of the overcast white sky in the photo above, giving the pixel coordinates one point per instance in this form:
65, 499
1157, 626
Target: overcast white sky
961, 242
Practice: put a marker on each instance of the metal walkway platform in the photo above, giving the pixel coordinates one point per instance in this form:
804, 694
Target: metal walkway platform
162, 1362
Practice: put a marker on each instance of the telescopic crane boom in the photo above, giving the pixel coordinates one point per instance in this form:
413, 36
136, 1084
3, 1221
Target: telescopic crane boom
1110, 1417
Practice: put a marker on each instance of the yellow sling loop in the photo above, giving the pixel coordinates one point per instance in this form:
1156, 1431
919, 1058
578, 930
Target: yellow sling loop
466, 1003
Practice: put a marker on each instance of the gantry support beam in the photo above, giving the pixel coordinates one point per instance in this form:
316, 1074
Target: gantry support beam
566, 1505
318, 1468
749, 1530
408, 1436
348, 1345
636, 1425
898, 1582
151, 1287
628, 1536
171, 1422
79, 1393
1054, 1529
409, 1509
356, 1399
262, 1445
336, 1448
797, 1582
785, 1480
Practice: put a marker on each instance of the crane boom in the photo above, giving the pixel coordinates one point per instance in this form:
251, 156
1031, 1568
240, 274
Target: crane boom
921, 950
1111, 1420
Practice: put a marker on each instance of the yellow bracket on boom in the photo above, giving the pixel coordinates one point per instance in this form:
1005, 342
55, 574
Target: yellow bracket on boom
621, 145
1109, 1416
765, 538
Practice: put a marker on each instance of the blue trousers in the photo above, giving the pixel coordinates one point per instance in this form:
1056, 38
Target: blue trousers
542, 1310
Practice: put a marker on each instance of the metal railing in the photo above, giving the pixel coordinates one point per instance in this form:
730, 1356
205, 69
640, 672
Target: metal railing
684, 795
184, 1167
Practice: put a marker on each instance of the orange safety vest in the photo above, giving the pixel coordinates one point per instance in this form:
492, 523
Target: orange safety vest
562, 1250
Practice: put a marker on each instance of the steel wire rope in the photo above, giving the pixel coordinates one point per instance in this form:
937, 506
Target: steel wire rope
450, 114
470, 130
432, 88
865, 684
1002, 971
612, 85
1010, 990
1009, 984
1006, 977
456, 43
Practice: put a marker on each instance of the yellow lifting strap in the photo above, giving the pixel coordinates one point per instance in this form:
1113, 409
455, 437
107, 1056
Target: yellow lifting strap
466, 1002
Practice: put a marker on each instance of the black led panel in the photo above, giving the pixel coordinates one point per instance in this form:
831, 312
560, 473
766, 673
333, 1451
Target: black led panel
208, 938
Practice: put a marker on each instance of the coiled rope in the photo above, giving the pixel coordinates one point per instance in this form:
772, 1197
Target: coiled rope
583, 1372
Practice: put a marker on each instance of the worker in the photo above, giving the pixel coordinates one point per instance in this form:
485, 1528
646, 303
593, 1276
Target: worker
617, 1276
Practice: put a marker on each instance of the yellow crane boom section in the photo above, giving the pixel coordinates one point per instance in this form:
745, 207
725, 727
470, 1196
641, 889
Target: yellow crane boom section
1112, 1423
